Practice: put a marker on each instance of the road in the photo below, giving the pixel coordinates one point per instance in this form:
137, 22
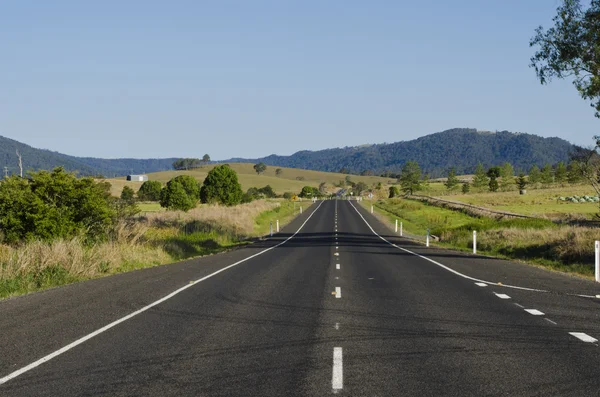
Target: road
333, 304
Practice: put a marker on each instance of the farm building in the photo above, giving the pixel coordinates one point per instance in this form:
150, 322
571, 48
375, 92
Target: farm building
137, 178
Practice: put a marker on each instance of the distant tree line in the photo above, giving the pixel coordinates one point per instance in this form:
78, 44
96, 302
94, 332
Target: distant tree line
190, 163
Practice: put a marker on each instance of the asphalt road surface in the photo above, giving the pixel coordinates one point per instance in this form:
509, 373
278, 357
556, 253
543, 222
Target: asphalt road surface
334, 304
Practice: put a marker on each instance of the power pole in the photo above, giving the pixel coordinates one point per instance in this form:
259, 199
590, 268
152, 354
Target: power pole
20, 163
5, 172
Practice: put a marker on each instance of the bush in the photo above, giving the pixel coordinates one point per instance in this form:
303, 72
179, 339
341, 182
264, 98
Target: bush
190, 185
127, 194
267, 191
56, 204
288, 195
309, 192
150, 191
221, 186
175, 197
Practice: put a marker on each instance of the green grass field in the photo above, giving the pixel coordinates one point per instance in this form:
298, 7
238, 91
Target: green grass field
286, 182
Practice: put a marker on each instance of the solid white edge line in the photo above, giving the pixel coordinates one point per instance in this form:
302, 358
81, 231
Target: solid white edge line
584, 337
337, 378
338, 292
143, 309
439, 264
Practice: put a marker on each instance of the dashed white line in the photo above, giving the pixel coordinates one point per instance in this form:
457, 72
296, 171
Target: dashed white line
502, 296
337, 325
481, 284
338, 292
550, 321
337, 379
534, 312
521, 306
584, 337
337, 266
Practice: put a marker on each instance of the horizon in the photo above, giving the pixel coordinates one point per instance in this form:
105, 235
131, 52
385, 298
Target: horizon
137, 80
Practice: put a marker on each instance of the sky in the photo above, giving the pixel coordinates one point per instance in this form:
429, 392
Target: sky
249, 78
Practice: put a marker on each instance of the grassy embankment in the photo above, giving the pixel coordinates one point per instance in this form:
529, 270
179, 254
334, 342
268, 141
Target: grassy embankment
537, 241
286, 182
154, 239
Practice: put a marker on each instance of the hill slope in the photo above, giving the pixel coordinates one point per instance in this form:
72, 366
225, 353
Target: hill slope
36, 159
462, 148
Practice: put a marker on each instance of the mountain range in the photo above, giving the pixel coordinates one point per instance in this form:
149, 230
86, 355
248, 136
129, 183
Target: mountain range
461, 148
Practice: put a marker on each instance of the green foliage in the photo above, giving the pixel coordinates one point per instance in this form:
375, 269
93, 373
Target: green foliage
560, 174
150, 191
410, 178
394, 191
288, 195
191, 186
174, 197
309, 192
574, 174
480, 180
187, 164
56, 204
570, 49
521, 181
452, 181
206, 158
359, 187
127, 194
466, 188
506, 173
546, 174
267, 191
493, 173
278, 172
221, 186
260, 168
535, 175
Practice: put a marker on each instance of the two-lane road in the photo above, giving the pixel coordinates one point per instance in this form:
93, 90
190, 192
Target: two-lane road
328, 306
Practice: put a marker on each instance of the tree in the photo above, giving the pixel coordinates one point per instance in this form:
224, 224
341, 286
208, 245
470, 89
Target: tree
260, 168
569, 49
535, 175
394, 192
574, 174
493, 173
221, 186
174, 197
560, 174
127, 194
186, 164
452, 181
267, 191
521, 181
359, 187
410, 177
150, 191
466, 188
480, 180
309, 192
278, 171
206, 159
506, 173
546, 175
323, 187
191, 186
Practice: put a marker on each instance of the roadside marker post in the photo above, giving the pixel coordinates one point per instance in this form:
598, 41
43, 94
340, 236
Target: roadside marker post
300, 209
396, 231
277, 225
400, 229
474, 241
597, 267
371, 209
271, 227
427, 239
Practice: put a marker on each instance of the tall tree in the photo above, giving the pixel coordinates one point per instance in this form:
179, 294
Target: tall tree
506, 173
480, 180
410, 178
452, 181
206, 159
521, 181
493, 173
547, 175
574, 174
560, 174
260, 168
535, 175
221, 186
127, 194
150, 191
569, 49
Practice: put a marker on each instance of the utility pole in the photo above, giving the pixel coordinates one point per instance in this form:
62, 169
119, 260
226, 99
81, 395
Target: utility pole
20, 163
5, 172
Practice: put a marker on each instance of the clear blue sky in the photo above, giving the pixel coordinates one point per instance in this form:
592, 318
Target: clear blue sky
250, 78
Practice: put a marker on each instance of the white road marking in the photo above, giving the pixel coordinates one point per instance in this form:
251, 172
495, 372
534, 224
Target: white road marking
534, 312
439, 264
337, 325
521, 306
337, 379
79, 341
584, 337
481, 284
336, 247
337, 278
337, 254
502, 296
338, 292
550, 321
337, 266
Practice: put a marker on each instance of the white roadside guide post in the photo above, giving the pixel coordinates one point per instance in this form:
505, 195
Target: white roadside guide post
371, 209
400, 229
427, 239
396, 231
597, 267
277, 225
300, 209
271, 227
474, 241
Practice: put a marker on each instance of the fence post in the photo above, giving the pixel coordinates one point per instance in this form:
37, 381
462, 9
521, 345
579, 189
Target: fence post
400, 229
474, 241
597, 267
427, 239
396, 231
277, 225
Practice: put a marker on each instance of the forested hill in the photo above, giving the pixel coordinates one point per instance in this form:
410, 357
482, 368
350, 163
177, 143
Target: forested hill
36, 159
462, 148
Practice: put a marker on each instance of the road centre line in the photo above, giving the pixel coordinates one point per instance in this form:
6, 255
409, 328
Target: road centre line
550, 321
337, 266
79, 341
583, 336
337, 378
534, 312
502, 296
521, 306
338, 292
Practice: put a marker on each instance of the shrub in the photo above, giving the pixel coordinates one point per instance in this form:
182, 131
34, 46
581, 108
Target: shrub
174, 197
150, 191
221, 186
127, 194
